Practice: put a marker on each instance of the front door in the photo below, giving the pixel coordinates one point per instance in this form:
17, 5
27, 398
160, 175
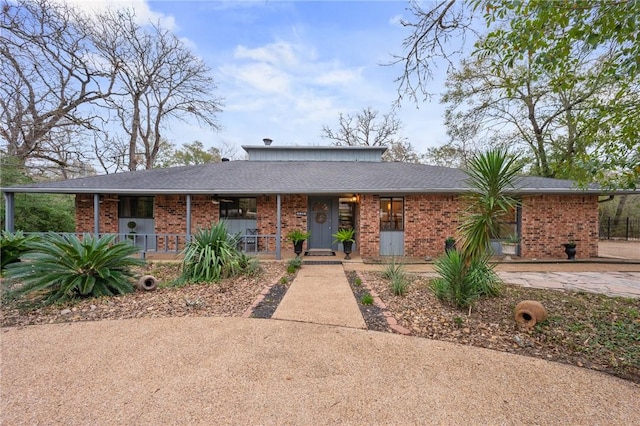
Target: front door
320, 219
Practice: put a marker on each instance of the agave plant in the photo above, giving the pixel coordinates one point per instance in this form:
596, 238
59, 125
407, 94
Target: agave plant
66, 267
212, 255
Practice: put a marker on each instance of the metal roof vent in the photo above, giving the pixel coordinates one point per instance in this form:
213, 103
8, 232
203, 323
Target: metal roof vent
267, 141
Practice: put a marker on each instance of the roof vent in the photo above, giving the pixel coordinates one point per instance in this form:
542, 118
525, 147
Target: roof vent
267, 141
225, 159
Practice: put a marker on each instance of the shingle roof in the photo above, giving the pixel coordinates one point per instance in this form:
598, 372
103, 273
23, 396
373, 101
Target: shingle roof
288, 177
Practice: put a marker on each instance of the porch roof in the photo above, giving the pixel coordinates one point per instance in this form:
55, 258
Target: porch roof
290, 177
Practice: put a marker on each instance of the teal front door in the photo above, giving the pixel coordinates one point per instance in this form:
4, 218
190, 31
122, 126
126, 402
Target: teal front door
320, 219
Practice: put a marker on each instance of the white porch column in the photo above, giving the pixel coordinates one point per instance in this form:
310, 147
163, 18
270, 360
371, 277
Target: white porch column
96, 214
278, 227
188, 217
9, 212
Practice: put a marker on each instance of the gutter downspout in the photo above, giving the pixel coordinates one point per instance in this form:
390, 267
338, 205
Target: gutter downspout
606, 200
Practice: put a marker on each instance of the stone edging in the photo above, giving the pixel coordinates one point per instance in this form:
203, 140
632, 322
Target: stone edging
247, 313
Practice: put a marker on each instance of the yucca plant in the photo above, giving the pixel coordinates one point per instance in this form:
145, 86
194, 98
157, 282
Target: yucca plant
454, 284
12, 246
491, 176
212, 255
66, 267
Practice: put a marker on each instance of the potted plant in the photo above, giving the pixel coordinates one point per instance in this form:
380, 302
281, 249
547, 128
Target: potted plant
449, 244
345, 236
297, 237
510, 245
570, 250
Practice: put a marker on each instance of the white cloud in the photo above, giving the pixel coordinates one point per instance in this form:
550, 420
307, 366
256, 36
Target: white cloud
396, 20
144, 14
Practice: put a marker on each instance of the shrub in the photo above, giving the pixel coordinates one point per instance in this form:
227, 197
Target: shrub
366, 299
66, 267
460, 284
393, 270
212, 255
358, 281
12, 246
399, 285
294, 264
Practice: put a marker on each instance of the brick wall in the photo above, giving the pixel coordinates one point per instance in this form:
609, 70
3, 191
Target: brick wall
368, 234
108, 211
551, 220
267, 216
428, 221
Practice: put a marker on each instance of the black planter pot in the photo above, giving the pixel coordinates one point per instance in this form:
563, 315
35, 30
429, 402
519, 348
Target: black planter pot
347, 246
449, 246
297, 247
570, 250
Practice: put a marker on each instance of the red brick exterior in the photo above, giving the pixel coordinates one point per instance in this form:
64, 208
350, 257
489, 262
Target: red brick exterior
547, 221
108, 214
428, 221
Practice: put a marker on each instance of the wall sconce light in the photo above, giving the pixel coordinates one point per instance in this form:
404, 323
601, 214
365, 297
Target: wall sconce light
354, 198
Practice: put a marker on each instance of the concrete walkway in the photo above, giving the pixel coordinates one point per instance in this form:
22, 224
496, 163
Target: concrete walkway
321, 294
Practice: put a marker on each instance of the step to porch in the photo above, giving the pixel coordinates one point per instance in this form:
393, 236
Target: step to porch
320, 252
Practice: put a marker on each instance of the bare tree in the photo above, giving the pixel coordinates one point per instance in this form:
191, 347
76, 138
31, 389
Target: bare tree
159, 79
48, 79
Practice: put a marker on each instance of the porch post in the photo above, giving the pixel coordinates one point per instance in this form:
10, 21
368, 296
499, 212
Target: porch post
188, 217
9, 212
96, 214
278, 227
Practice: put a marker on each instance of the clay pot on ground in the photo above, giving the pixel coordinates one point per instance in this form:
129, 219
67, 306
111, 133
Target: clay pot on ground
530, 312
147, 283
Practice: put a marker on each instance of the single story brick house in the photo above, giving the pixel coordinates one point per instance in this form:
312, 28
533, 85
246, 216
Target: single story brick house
398, 209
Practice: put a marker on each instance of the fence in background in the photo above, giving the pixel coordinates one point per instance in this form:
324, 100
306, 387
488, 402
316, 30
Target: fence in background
627, 228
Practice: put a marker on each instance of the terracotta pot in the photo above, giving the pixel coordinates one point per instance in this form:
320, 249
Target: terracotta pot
530, 312
147, 283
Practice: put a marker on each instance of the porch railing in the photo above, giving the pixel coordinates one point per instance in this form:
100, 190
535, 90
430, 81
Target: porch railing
175, 243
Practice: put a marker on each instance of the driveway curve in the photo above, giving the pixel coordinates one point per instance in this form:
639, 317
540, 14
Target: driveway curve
252, 371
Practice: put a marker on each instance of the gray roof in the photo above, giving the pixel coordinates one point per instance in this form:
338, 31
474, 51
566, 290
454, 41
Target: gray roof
289, 177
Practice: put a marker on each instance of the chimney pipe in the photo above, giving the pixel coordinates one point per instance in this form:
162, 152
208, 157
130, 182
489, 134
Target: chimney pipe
267, 141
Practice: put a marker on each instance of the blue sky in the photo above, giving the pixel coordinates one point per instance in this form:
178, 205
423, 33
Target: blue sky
285, 69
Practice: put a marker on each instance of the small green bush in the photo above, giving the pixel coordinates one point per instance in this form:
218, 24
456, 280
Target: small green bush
294, 264
284, 280
393, 270
67, 267
366, 299
460, 283
12, 246
212, 255
358, 281
399, 285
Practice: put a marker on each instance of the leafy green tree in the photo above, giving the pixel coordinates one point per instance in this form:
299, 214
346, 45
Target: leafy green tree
35, 212
551, 36
190, 154
66, 267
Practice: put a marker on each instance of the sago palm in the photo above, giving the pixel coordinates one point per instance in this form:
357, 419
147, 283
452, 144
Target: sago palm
65, 267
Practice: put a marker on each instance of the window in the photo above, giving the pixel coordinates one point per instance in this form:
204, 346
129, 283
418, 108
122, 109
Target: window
135, 207
391, 214
238, 208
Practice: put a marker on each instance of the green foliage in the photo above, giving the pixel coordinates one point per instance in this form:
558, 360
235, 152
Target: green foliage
212, 255
393, 269
358, 281
190, 154
366, 299
343, 235
284, 280
35, 212
296, 262
12, 246
297, 235
491, 175
399, 285
66, 267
